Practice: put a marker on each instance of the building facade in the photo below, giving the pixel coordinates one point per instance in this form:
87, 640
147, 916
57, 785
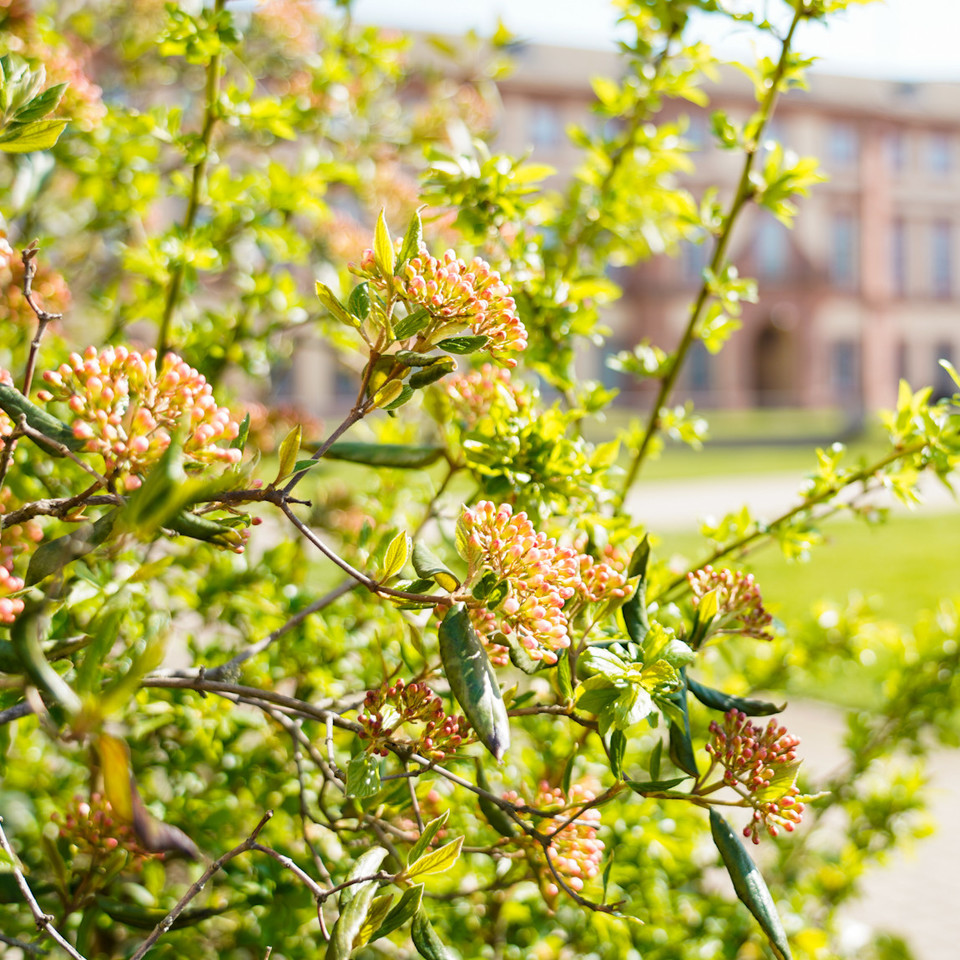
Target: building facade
863, 291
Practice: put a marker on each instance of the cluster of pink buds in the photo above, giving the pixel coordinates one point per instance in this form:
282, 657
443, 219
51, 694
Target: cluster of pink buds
541, 575
575, 851
477, 394
126, 410
753, 758
92, 831
10, 607
471, 295
739, 604
384, 710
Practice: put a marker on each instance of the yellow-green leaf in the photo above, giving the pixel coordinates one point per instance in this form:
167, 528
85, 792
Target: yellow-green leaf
383, 247
115, 767
387, 393
288, 452
437, 861
396, 555
374, 919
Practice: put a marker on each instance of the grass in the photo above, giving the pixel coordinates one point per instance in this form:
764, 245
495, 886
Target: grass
907, 565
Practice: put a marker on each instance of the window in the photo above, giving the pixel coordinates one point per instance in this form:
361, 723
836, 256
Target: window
939, 153
941, 258
772, 249
694, 258
897, 151
546, 129
698, 367
898, 256
843, 144
943, 385
843, 368
843, 251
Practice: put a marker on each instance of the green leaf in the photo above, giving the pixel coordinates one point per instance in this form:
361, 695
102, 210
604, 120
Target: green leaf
334, 307
51, 557
639, 559
399, 455
41, 105
383, 247
411, 239
635, 613
239, 442
355, 903
288, 452
27, 137
430, 567
618, 746
396, 555
473, 681
436, 861
387, 394
496, 816
423, 378
426, 838
378, 912
749, 884
654, 786
358, 303
407, 906
681, 745
724, 702
462, 345
363, 776
564, 680
425, 939
412, 324
15, 404
655, 755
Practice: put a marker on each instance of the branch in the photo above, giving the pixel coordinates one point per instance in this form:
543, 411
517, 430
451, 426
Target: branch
744, 193
44, 922
164, 925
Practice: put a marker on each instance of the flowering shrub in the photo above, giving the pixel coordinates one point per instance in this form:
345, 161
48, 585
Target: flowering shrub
444, 582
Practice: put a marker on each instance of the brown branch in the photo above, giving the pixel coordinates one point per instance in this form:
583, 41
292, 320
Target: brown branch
164, 925
44, 921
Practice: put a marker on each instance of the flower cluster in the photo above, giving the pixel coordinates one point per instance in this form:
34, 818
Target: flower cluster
462, 294
92, 831
10, 607
760, 763
739, 604
126, 410
387, 708
541, 577
575, 851
476, 394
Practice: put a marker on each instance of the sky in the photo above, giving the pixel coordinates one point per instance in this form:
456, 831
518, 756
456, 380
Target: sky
895, 39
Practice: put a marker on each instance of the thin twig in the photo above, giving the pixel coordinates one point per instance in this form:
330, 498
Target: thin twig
23, 945
37, 436
60, 507
164, 925
44, 921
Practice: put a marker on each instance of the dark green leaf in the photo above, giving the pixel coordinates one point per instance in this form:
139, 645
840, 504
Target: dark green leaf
430, 567
723, 701
639, 559
406, 907
749, 884
654, 786
462, 345
481, 589
431, 374
53, 556
240, 440
399, 455
15, 405
655, 754
411, 324
358, 303
618, 746
681, 746
635, 613
473, 681
425, 939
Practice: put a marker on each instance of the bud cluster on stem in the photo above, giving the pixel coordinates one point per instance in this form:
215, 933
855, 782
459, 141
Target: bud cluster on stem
386, 709
479, 393
739, 604
542, 577
127, 410
575, 851
93, 831
760, 763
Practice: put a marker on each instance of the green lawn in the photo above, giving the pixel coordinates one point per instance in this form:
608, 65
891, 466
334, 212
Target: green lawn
907, 564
